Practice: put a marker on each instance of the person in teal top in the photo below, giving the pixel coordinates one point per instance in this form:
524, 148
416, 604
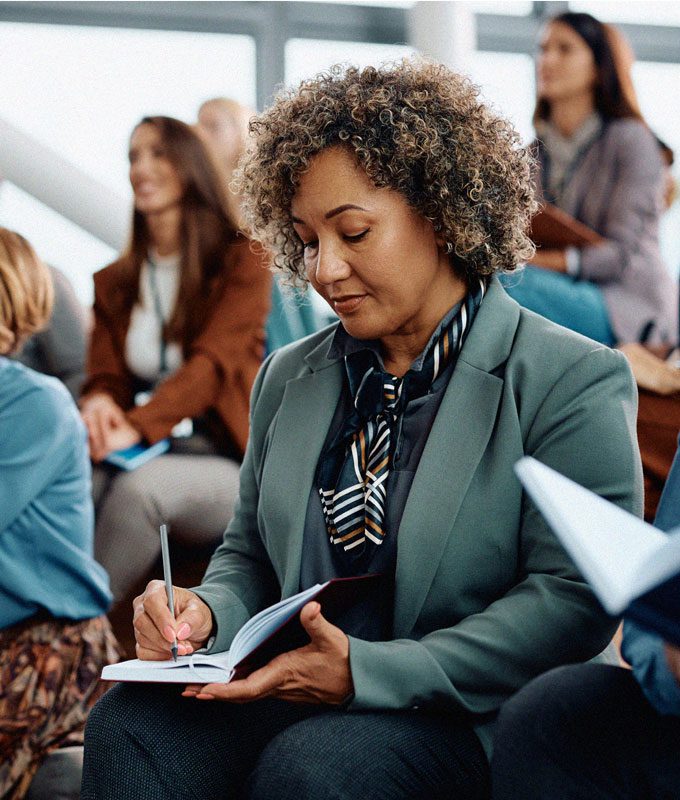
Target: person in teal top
46, 515
54, 635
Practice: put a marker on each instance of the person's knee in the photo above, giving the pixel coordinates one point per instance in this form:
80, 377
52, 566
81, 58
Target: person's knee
132, 492
104, 721
123, 708
543, 711
521, 709
288, 771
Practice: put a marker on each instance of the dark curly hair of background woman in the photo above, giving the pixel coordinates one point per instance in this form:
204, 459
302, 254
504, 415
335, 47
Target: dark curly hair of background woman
415, 127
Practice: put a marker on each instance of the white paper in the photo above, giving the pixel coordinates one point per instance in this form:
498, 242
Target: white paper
620, 555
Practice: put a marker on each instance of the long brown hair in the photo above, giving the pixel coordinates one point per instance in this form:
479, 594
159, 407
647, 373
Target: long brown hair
614, 93
207, 229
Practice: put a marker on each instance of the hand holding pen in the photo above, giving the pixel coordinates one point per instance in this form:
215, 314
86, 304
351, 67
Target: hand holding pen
156, 628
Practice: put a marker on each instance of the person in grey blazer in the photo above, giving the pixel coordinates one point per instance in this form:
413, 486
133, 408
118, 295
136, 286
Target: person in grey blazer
598, 161
385, 444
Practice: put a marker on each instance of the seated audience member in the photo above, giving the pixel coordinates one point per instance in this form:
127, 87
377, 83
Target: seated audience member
223, 123
385, 444
178, 320
599, 162
54, 637
586, 732
59, 349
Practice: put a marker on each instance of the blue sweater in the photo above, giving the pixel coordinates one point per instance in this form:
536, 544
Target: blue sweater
46, 515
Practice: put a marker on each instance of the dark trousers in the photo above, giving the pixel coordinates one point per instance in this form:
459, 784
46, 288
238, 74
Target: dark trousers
585, 732
148, 742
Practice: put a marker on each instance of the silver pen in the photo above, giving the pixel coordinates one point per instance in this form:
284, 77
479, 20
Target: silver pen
165, 550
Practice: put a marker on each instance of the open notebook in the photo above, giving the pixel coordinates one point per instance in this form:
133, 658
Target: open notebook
633, 568
274, 630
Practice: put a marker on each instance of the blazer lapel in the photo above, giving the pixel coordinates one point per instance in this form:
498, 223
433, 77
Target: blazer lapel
456, 444
305, 413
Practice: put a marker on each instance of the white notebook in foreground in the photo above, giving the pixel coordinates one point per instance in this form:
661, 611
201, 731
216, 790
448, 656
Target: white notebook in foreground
632, 567
274, 630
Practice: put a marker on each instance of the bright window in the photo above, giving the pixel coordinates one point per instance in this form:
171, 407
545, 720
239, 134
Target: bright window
513, 7
655, 83
307, 57
633, 11
506, 80
79, 90
56, 239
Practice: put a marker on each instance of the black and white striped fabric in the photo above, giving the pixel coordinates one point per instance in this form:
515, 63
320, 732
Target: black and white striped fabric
353, 473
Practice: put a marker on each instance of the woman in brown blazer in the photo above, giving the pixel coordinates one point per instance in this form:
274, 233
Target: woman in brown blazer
177, 342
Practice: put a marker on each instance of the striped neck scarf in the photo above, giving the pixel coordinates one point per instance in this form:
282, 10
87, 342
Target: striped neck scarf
353, 471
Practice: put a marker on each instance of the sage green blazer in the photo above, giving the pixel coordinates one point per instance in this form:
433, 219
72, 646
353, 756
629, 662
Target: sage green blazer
485, 596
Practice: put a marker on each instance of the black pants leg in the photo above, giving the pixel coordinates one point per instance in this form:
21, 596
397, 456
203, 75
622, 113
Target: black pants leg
377, 755
149, 742
585, 732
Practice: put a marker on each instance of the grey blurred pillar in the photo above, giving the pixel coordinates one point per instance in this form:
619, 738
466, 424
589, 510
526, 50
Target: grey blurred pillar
60, 185
444, 31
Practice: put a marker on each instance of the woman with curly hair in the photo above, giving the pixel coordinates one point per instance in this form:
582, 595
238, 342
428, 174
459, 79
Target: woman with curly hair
385, 444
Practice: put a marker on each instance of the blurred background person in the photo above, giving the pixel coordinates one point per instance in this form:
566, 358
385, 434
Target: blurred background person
178, 335
59, 348
223, 123
599, 162
54, 637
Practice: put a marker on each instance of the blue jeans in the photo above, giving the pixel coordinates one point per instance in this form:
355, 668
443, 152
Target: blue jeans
577, 305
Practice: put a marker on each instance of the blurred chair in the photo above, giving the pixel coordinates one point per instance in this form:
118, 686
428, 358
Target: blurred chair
59, 775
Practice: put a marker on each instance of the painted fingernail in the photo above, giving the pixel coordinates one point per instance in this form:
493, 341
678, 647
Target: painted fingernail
168, 633
183, 631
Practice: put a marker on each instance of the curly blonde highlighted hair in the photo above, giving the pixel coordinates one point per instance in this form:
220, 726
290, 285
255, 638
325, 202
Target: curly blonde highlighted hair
416, 128
26, 291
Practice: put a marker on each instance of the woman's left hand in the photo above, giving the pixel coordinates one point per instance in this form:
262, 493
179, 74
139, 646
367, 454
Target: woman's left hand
317, 673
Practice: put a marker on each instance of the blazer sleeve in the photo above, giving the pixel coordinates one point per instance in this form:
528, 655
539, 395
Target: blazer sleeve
586, 428
634, 202
222, 362
106, 370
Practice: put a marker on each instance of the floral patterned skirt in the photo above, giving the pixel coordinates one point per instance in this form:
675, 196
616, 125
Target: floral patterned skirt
49, 680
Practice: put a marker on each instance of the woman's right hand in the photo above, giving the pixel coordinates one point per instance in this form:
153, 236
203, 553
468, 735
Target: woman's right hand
155, 628
101, 415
